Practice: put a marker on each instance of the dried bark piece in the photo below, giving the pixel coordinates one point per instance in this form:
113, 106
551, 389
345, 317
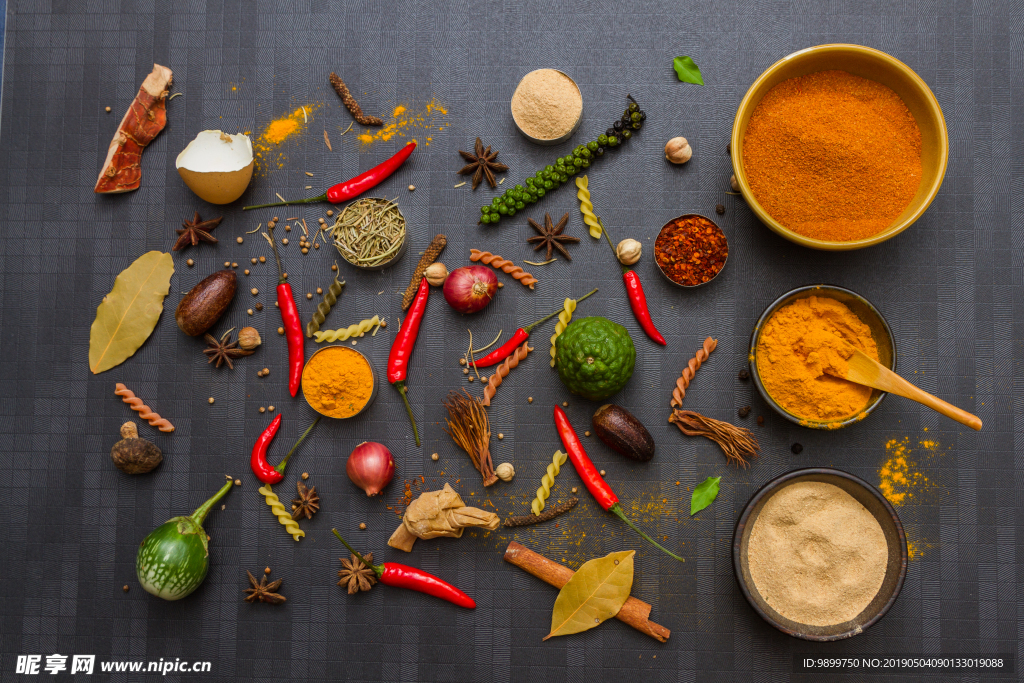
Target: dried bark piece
145, 118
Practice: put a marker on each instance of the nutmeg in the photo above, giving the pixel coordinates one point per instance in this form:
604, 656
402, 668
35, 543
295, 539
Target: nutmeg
135, 455
505, 471
436, 274
678, 150
249, 338
628, 251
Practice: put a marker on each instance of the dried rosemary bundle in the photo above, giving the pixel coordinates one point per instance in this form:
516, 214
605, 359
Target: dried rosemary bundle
737, 442
470, 429
369, 231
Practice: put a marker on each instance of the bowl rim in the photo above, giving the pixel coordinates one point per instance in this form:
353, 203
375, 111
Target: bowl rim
767, 398
776, 484
736, 146
373, 379
699, 284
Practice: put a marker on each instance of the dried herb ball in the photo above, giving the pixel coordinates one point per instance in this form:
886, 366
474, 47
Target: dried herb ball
719, 209
743, 374
135, 455
744, 411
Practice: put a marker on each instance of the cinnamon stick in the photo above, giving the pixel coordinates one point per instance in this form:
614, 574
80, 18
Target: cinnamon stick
634, 612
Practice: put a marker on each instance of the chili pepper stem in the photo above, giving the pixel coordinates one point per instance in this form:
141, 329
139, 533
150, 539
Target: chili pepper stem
273, 244
617, 511
377, 569
608, 237
284, 463
400, 385
200, 514
529, 328
321, 198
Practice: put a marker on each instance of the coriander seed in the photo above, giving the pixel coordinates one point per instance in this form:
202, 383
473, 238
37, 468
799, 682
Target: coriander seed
267, 570
210, 400
309, 295
334, 266
227, 264
250, 311
190, 263
262, 409
435, 457
239, 240
529, 399
107, 109
246, 271
280, 330
411, 187
254, 291
305, 475
319, 290
263, 259
362, 525
285, 241
253, 260
330, 212
500, 436
270, 408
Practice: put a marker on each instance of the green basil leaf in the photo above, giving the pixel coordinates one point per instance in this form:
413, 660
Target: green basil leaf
687, 70
704, 494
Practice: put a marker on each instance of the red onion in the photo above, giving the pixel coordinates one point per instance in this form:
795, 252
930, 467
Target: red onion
370, 467
470, 288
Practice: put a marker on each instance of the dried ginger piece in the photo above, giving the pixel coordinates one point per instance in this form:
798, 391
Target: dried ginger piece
439, 513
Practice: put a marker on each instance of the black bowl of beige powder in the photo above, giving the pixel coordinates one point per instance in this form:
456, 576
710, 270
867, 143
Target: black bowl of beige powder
820, 554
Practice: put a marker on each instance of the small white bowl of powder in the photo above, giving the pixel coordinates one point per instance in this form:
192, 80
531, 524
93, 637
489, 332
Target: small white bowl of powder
547, 106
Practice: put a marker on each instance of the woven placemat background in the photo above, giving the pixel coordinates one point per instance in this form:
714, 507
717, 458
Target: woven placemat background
951, 288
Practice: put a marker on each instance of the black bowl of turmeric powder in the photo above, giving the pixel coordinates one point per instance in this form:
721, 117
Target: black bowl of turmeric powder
789, 350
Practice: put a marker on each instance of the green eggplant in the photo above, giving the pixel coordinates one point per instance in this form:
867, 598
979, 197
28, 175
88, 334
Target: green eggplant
174, 558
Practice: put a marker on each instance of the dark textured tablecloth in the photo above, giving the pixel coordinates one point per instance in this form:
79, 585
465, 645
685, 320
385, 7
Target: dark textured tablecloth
950, 286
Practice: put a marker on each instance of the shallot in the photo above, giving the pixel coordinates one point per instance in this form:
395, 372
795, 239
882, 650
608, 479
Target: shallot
469, 289
370, 467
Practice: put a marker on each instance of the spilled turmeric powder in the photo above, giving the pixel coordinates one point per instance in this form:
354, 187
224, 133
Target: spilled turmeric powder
404, 120
899, 478
277, 131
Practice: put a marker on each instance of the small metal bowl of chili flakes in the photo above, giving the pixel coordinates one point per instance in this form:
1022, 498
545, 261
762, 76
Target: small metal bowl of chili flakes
691, 250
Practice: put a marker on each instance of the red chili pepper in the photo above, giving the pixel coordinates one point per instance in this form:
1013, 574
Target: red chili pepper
401, 349
349, 189
592, 479
404, 576
292, 324
635, 294
258, 461
522, 334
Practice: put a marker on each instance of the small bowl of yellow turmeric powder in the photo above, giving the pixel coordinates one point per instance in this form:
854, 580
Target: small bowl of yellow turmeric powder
800, 337
338, 382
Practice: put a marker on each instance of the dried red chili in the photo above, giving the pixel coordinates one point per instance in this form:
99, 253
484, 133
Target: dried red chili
691, 250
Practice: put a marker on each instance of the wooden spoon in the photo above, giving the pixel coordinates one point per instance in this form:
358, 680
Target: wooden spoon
863, 369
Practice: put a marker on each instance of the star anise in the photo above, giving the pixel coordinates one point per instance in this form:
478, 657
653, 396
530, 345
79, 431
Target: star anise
482, 164
356, 575
308, 502
551, 236
195, 231
224, 350
263, 591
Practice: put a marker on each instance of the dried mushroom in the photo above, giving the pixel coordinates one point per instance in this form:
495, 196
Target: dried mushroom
133, 454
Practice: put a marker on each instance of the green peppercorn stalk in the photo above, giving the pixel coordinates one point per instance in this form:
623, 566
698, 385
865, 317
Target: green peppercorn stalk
553, 176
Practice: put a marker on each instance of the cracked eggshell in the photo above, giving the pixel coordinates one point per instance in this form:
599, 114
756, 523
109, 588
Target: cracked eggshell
217, 166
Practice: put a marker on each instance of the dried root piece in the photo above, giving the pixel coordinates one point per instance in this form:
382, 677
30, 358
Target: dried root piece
470, 429
737, 443
432, 253
145, 118
550, 513
351, 104
502, 371
504, 265
690, 370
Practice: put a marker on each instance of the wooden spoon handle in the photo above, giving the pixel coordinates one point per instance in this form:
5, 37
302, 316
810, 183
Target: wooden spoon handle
902, 387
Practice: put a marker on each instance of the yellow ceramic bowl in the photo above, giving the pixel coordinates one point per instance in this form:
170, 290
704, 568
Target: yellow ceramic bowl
867, 63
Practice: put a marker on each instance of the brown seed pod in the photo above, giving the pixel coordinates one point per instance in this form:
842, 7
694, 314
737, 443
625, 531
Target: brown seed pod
205, 303
135, 455
625, 434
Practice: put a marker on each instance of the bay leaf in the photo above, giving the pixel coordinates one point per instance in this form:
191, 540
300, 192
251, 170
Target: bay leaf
704, 494
595, 593
126, 317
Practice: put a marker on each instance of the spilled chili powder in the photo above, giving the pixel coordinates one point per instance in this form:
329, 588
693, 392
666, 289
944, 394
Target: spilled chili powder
833, 156
691, 250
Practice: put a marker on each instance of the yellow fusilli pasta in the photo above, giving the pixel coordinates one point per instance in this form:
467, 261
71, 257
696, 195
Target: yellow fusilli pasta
357, 330
563, 321
283, 516
587, 208
547, 481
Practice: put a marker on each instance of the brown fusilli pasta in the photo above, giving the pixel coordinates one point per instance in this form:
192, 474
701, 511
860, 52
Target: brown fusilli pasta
502, 371
690, 370
499, 263
144, 411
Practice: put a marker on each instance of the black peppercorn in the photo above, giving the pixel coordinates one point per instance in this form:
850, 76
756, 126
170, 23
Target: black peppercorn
744, 411
728, 148
760, 420
719, 209
797, 448
743, 374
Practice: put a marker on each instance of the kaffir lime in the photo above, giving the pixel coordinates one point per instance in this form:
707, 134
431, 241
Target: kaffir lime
594, 357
